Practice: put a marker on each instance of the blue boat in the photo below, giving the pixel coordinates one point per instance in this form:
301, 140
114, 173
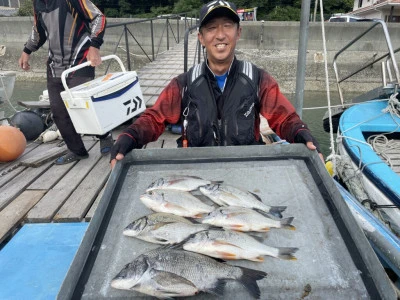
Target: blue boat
367, 162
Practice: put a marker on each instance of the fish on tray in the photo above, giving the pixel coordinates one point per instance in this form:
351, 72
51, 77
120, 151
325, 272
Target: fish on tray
227, 195
167, 273
227, 244
175, 202
245, 219
177, 182
163, 228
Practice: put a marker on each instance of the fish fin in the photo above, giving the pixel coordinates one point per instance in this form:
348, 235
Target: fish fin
277, 211
258, 236
222, 242
171, 284
193, 220
266, 214
257, 259
170, 205
249, 280
226, 255
199, 216
234, 214
265, 229
217, 182
236, 227
256, 196
218, 289
287, 253
287, 223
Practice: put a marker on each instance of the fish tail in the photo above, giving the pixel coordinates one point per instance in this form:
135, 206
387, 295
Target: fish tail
287, 253
249, 280
218, 289
287, 223
277, 211
217, 182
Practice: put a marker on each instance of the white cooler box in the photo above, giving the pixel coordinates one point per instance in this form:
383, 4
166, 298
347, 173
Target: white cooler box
100, 105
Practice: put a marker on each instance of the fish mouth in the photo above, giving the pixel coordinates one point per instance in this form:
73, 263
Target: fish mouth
120, 283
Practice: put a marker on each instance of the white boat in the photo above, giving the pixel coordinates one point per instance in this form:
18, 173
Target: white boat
367, 161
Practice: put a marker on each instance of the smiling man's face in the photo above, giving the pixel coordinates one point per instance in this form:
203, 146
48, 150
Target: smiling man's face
219, 36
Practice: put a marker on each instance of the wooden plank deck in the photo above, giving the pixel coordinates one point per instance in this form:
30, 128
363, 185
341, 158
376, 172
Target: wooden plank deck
37, 190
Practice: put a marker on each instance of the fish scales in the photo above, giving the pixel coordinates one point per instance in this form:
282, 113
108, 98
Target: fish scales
177, 182
244, 219
163, 228
185, 267
228, 244
175, 202
228, 195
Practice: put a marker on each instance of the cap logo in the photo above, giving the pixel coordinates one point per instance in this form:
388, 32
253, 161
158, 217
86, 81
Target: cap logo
214, 4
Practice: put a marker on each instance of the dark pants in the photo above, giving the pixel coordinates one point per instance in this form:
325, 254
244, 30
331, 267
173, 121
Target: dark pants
61, 117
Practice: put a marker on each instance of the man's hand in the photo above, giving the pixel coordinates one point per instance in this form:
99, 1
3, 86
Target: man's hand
23, 61
124, 144
311, 146
114, 161
94, 56
305, 137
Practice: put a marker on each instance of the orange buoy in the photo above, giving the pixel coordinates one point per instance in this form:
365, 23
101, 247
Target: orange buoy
12, 143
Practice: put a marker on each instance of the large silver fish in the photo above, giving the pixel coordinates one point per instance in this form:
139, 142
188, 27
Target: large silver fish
175, 202
167, 273
179, 182
163, 228
227, 195
228, 244
245, 219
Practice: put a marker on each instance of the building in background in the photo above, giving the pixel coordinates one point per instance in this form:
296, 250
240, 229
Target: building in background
247, 14
386, 10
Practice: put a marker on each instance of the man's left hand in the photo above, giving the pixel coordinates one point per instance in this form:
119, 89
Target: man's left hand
311, 146
94, 56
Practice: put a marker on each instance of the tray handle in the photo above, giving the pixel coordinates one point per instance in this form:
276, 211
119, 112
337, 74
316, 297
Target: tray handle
86, 64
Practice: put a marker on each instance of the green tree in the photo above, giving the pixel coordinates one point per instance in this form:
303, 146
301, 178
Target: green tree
284, 13
26, 8
183, 6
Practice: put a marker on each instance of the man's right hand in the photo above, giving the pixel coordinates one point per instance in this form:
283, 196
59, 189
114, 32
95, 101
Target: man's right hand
124, 144
23, 61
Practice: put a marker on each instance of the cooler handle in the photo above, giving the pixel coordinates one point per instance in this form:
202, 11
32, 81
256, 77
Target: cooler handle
86, 64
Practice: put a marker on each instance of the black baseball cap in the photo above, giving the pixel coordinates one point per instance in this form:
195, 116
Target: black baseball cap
218, 8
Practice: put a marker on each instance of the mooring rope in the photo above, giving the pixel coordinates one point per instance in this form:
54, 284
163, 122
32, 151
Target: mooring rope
332, 143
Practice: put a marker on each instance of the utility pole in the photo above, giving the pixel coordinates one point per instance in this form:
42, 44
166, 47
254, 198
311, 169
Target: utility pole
302, 56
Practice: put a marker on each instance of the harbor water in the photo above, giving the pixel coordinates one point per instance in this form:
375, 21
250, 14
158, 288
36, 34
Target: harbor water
30, 91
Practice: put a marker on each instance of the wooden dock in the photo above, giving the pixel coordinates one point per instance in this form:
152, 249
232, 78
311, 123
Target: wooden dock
35, 190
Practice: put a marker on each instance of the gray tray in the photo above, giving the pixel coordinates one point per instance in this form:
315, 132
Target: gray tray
334, 261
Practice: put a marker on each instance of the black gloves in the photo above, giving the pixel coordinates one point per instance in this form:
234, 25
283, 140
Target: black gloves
304, 136
124, 144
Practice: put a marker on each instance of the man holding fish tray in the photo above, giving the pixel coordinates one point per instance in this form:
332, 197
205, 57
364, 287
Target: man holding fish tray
218, 102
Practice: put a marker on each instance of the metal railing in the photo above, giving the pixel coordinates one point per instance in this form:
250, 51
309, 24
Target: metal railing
186, 49
386, 66
168, 29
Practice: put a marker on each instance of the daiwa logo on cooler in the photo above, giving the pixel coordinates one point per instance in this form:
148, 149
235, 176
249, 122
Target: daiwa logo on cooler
105, 102
137, 103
